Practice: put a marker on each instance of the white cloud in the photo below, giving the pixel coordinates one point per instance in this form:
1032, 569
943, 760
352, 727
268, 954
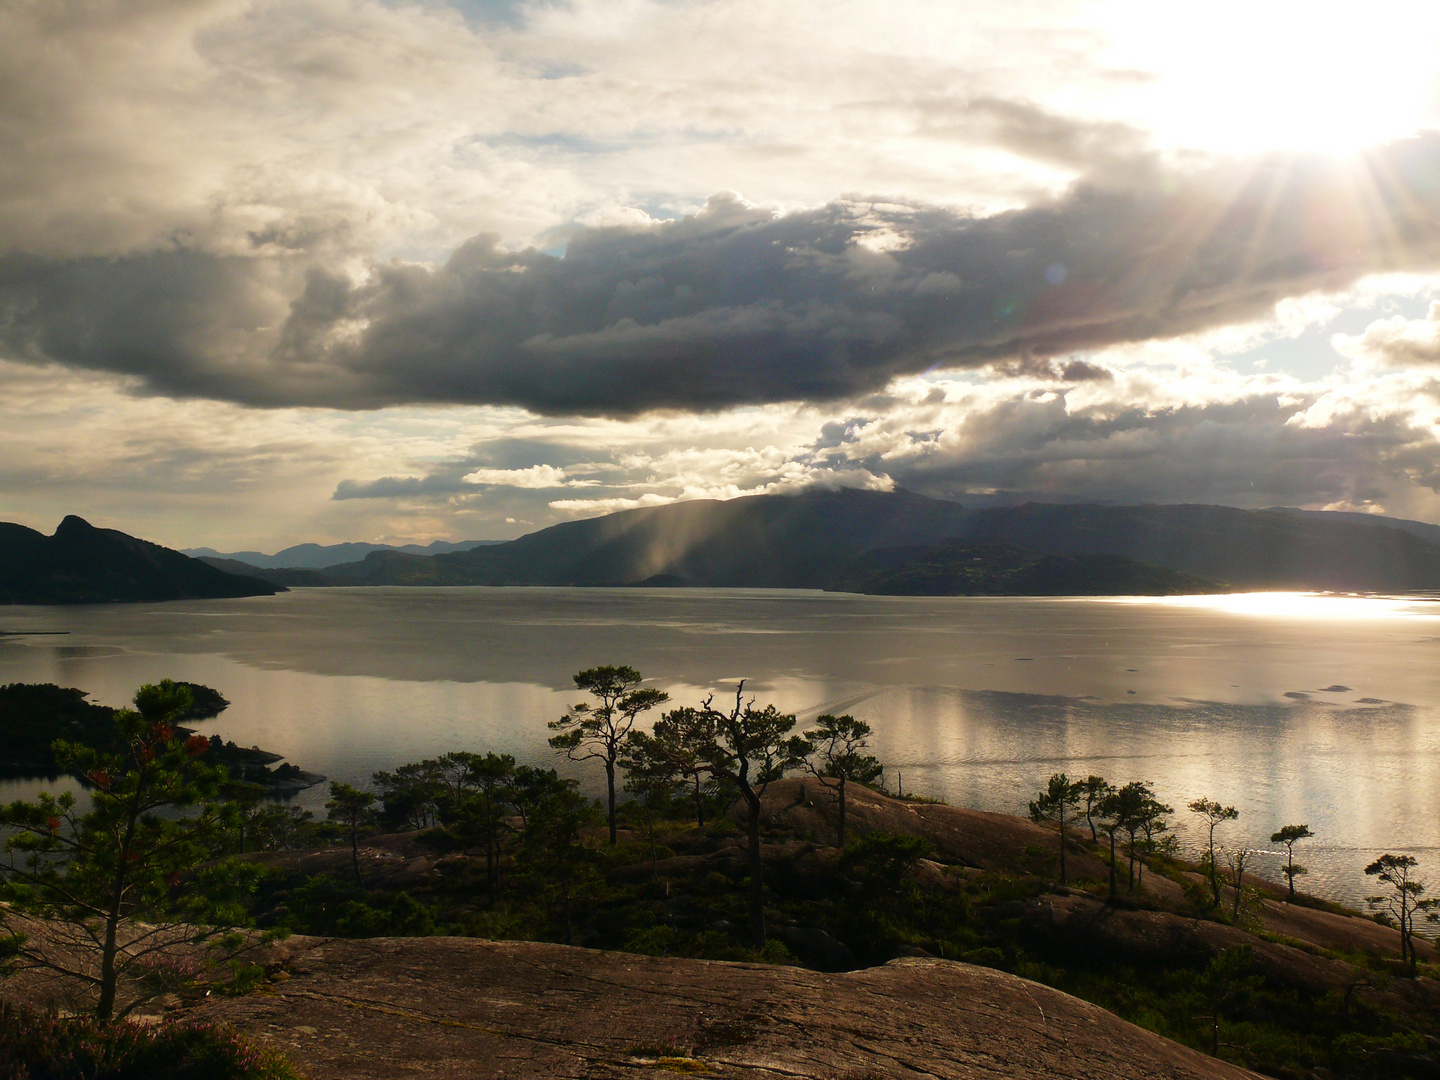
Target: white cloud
537, 477
1396, 341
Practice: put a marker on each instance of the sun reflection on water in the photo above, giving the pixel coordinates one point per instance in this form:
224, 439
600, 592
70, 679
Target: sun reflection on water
1293, 605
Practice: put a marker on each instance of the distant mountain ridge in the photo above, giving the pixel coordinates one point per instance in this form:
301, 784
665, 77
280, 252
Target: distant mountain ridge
888, 542
319, 556
960, 568
814, 539
1246, 549
81, 564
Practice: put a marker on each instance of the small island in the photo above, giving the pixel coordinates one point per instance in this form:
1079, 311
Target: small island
34, 715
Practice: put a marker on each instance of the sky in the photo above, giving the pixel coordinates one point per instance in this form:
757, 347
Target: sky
329, 270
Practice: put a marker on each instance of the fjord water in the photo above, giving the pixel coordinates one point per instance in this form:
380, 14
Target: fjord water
1324, 710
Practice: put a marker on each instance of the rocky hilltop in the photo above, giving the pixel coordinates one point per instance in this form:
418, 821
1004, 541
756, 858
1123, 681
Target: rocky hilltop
436, 1008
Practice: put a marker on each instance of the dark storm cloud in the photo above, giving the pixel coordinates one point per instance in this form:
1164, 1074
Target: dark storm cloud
737, 305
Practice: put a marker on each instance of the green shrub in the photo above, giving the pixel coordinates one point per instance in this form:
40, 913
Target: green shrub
38, 1047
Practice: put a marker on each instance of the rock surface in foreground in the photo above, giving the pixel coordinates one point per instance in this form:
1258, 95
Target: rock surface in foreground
453, 1007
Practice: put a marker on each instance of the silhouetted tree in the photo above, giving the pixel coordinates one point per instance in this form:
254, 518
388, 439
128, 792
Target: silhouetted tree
598, 731
1237, 859
746, 748
1147, 819
349, 807
531, 787
1404, 901
834, 749
652, 756
477, 813
1289, 835
1126, 810
1214, 814
552, 860
1057, 803
1094, 790
279, 828
109, 881
244, 804
410, 795
1159, 841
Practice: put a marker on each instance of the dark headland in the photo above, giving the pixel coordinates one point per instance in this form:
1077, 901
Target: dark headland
81, 564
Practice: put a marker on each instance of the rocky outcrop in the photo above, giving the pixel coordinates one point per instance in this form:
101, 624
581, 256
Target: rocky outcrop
973, 838
446, 1008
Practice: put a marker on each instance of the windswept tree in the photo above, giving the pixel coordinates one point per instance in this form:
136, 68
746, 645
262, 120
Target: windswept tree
130, 882
1159, 840
1126, 810
1214, 814
1290, 835
1058, 803
834, 749
350, 808
1404, 901
598, 730
746, 749
1094, 790
1237, 859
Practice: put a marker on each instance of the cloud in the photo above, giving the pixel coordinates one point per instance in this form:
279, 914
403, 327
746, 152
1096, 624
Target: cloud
537, 476
739, 304
1396, 342
596, 507
1242, 441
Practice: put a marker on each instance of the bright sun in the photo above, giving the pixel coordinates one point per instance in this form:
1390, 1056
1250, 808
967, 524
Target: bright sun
1248, 75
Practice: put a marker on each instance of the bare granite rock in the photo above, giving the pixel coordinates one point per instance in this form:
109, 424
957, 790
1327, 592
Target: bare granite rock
453, 1007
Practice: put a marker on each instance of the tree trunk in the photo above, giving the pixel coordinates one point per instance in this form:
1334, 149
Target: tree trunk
1407, 947
1214, 870
105, 1009
1062, 845
699, 804
757, 885
610, 784
842, 811
1131, 884
1290, 874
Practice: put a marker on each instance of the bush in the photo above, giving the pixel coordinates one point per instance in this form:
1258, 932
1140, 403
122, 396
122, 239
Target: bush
38, 1047
327, 907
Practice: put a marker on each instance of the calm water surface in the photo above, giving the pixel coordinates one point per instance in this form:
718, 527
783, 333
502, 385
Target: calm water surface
1294, 709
